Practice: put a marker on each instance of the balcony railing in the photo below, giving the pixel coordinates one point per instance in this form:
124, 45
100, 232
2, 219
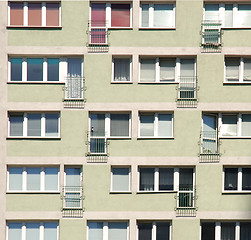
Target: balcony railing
72, 201
74, 91
186, 204
97, 147
98, 36
211, 33
187, 92
210, 150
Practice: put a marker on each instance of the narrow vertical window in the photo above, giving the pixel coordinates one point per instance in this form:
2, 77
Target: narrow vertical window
16, 14
16, 124
208, 231
167, 70
231, 178
119, 125
95, 231
212, 13
32, 231
166, 179
247, 70
145, 15
162, 230
229, 125
52, 14
15, 179
15, 231
16, 69
146, 179
147, 125
51, 124
227, 231
98, 14
33, 179
51, 179
232, 70
34, 124
228, 15
246, 179
35, 69
117, 230
164, 125
244, 15
53, 69
120, 15
121, 69
163, 15
120, 179
145, 231
50, 231
34, 14
147, 73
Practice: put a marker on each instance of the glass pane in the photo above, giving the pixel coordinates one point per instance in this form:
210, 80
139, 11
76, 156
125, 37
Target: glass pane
227, 231
231, 176
147, 125
120, 15
167, 69
117, 231
145, 15
247, 70
51, 179
145, 231
166, 178
15, 231
52, 14
246, 125
15, 178
72, 177
16, 14
245, 230
95, 231
53, 69
209, 123
121, 69
228, 15
74, 67
32, 231
163, 15
229, 125
34, 124
185, 179
232, 70
34, 14
147, 71
208, 231
120, 179
119, 125
16, 69
244, 15
98, 14
51, 124
33, 179
146, 179
97, 124
187, 68
16, 125
35, 69
164, 125
162, 232
246, 178
50, 231
212, 12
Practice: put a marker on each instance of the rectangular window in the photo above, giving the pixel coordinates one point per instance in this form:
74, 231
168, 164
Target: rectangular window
107, 230
52, 14
120, 179
122, 69
229, 125
208, 231
35, 14
157, 15
16, 69
35, 69
120, 15
53, 69
159, 125
34, 124
32, 230
30, 179
16, 14
154, 230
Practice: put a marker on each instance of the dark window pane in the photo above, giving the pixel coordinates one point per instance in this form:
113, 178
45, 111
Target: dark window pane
185, 179
166, 179
146, 179
120, 125
145, 231
162, 231
208, 231
53, 69
16, 125
16, 69
35, 69
34, 124
246, 179
245, 230
227, 231
51, 124
231, 175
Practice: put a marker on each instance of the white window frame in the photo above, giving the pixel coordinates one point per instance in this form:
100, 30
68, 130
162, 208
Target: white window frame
108, 12
24, 179
105, 227
108, 124
154, 227
239, 125
23, 229
239, 181
129, 182
241, 72
156, 120
43, 10
151, 16
157, 69
113, 69
43, 125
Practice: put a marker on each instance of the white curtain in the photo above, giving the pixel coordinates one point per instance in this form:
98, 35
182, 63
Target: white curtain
34, 124
117, 231
229, 125
15, 178
246, 125
244, 15
145, 15
247, 70
95, 231
119, 124
147, 73
167, 69
122, 69
120, 180
50, 231
51, 124
187, 68
51, 179
212, 12
15, 231
164, 125
147, 125
232, 69
72, 177
33, 179
16, 125
163, 15
32, 231
228, 15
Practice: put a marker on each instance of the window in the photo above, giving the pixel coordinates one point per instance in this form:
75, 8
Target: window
237, 70
231, 15
166, 70
157, 15
34, 14
32, 231
225, 230
122, 69
107, 230
26, 179
159, 230
120, 181
237, 179
48, 70
34, 125
156, 125
115, 15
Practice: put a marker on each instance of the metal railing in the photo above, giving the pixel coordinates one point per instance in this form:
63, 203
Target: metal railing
72, 197
74, 87
211, 36
210, 150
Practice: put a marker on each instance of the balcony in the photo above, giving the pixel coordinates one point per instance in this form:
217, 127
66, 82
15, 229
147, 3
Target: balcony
74, 92
211, 33
97, 36
210, 151
72, 197
186, 204
187, 92
97, 147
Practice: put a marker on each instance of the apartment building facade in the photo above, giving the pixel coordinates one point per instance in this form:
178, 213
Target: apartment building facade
125, 120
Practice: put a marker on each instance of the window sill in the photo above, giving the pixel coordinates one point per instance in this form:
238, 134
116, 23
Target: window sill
121, 82
35, 82
237, 192
150, 192
235, 137
155, 138
31, 138
34, 27
120, 192
157, 28
162, 82
118, 137
237, 83
236, 28
33, 192
120, 28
